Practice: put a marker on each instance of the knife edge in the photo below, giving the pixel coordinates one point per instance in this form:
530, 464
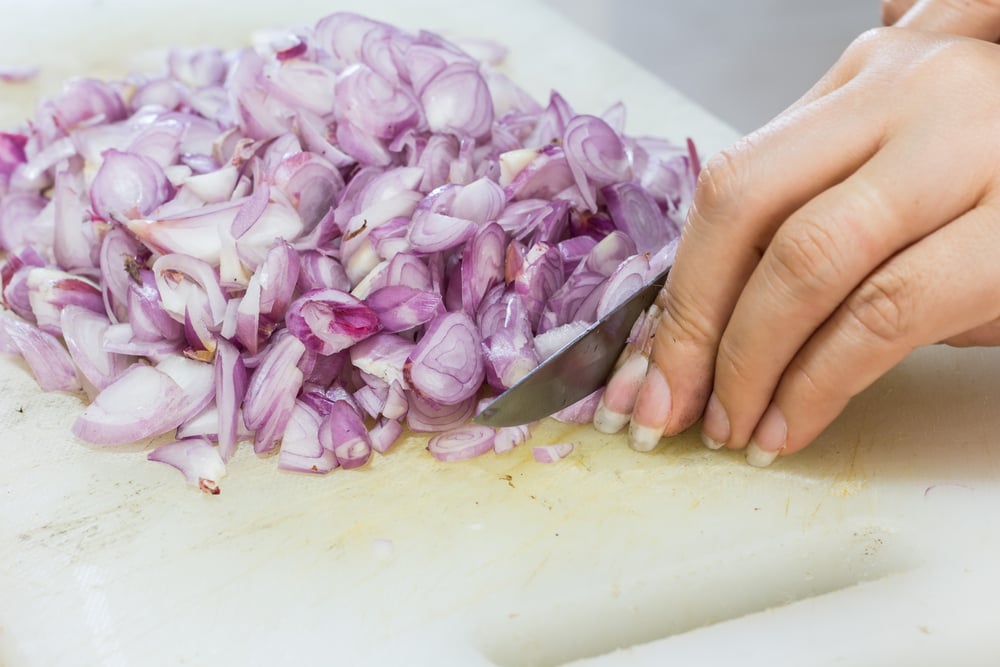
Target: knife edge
576, 370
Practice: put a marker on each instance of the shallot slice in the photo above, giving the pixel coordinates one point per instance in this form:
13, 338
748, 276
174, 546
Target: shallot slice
343, 432
197, 459
509, 437
312, 240
301, 450
48, 359
446, 366
329, 320
83, 330
141, 403
464, 442
551, 453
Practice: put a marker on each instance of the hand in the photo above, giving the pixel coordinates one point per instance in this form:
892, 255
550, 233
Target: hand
979, 19
861, 223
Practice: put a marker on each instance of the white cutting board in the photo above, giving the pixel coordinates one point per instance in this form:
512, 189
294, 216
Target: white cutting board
875, 546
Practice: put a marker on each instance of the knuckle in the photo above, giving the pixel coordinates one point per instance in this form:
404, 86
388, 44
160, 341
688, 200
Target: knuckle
684, 321
732, 367
720, 182
880, 307
871, 41
810, 385
803, 260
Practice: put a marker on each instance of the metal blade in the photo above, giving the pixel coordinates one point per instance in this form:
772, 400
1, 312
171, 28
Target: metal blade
575, 371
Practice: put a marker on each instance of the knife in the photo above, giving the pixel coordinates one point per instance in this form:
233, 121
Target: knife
574, 372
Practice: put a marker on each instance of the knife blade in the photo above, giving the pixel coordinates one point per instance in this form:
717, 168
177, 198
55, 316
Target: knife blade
577, 370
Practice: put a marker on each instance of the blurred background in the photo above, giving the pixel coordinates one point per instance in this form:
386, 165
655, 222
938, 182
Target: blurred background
743, 60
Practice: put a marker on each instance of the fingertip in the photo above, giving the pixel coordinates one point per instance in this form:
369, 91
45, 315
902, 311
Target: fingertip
609, 421
711, 443
643, 438
759, 458
652, 411
654, 400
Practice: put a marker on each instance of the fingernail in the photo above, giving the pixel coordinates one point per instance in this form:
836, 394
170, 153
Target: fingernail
643, 438
768, 439
607, 420
714, 424
652, 412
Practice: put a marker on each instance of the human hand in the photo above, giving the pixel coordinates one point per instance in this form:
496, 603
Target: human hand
861, 223
979, 19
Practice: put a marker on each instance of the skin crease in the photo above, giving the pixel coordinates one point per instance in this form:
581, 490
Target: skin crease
819, 251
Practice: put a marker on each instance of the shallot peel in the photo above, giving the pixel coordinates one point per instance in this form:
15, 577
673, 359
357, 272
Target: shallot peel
315, 245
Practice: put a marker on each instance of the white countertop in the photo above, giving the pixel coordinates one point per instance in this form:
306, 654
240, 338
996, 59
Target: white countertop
874, 546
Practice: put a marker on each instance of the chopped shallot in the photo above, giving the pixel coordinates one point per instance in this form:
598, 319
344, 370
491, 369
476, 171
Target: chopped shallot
321, 242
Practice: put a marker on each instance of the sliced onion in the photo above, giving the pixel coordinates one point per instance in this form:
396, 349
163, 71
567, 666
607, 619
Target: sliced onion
83, 331
427, 416
197, 459
120, 339
11, 153
373, 104
47, 358
400, 308
141, 403
482, 265
626, 280
551, 453
457, 101
270, 396
150, 322
18, 73
128, 186
343, 432
49, 291
555, 339
230, 389
384, 434
509, 437
119, 256
74, 243
464, 442
581, 412
636, 213
329, 320
18, 212
538, 279
595, 154
195, 378
345, 222
446, 366
301, 450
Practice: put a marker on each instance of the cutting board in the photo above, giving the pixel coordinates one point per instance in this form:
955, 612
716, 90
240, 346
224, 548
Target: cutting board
874, 546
